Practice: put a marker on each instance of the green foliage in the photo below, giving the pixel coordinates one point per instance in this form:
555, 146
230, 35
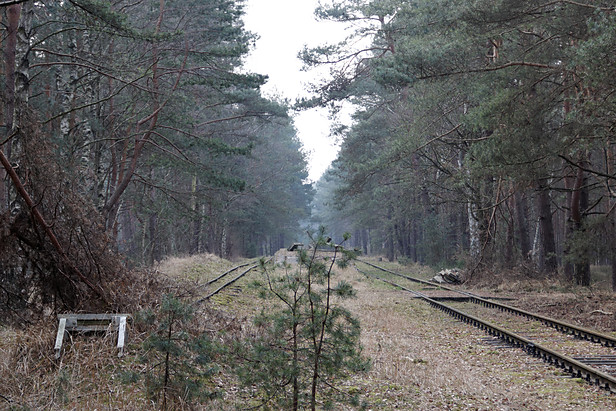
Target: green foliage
218, 159
305, 341
179, 364
103, 11
462, 105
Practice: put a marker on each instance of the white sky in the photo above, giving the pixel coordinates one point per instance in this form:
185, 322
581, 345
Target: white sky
284, 27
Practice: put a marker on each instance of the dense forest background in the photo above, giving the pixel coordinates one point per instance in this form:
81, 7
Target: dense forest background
483, 134
130, 132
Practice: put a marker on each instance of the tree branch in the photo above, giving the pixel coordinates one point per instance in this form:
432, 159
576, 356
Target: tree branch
588, 170
38, 217
11, 2
488, 69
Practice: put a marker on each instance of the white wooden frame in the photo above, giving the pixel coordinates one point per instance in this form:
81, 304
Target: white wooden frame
91, 323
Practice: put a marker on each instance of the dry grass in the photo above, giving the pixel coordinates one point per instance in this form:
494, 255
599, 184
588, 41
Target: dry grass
194, 267
421, 358
593, 307
89, 375
86, 376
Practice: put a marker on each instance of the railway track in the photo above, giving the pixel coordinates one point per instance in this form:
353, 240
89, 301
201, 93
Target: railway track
582, 352
251, 266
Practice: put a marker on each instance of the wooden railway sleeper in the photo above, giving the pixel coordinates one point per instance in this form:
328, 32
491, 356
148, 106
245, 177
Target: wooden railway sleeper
548, 355
575, 330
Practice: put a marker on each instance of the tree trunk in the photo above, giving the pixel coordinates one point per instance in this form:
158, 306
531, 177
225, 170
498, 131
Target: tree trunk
155, 254
579, 204
195, 244
10, 44
126, 237
521, 212
13, 16
510, 244
569, 228
110, 209
224, 239
47, 228
154, 244
366, 241
389, 245
612, 239
550, 263
473, 230
399, 238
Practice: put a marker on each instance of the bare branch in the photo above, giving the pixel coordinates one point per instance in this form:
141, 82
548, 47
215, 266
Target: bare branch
38, 217
11, 2
495, 68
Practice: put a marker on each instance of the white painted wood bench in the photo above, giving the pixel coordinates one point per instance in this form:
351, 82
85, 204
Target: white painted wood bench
91, 323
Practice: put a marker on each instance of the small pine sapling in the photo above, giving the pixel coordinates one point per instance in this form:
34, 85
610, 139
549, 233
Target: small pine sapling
179, 363
305, 341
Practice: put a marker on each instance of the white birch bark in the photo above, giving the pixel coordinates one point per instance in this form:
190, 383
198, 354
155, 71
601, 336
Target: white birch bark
535, 250
471, 210
473, 228
22, 59
223, 241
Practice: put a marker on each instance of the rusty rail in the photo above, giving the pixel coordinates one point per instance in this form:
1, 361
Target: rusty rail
569, 364
562, 326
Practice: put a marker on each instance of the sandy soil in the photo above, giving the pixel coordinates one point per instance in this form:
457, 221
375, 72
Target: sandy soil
423, 359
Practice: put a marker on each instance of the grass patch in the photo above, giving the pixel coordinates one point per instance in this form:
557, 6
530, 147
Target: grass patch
418, 354
199, 267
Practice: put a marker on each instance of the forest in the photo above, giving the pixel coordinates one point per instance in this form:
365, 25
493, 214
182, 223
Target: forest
483, 133
132, 132
481, 137
142, 162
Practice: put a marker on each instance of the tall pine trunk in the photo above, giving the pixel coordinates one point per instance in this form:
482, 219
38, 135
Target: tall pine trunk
579, 204
550, 262
521, 213
10, 43
195, 243
510, 236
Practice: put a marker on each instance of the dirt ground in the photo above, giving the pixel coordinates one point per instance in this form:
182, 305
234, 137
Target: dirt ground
424, 359
421, 358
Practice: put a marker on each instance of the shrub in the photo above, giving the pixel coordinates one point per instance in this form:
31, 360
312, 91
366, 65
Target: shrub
307, 342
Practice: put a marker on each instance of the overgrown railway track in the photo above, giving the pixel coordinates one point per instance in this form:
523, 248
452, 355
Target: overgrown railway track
589, 354
251, 266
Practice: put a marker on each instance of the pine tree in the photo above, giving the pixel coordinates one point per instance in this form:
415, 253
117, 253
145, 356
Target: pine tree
307, 341
179, 363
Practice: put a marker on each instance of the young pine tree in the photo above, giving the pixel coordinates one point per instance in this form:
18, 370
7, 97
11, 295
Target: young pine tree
178, 362
305, 341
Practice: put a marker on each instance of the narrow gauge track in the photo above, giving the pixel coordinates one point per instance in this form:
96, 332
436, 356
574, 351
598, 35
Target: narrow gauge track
577, 331
573, 365
228, 283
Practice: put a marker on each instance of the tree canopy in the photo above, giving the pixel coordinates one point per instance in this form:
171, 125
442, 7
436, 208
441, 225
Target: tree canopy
131, 127
484, 129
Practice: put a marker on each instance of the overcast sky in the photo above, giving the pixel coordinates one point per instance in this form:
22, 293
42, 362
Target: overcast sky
284, 27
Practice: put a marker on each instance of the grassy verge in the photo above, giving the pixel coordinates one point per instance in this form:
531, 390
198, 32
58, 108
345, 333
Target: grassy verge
421, 358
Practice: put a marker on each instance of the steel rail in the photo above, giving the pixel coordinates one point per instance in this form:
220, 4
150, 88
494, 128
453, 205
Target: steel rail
562, 326
222, 287
574, 367
225, 273
228, 283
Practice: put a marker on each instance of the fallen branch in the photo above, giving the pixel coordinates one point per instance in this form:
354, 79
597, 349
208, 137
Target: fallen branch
38, 217
601, 312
